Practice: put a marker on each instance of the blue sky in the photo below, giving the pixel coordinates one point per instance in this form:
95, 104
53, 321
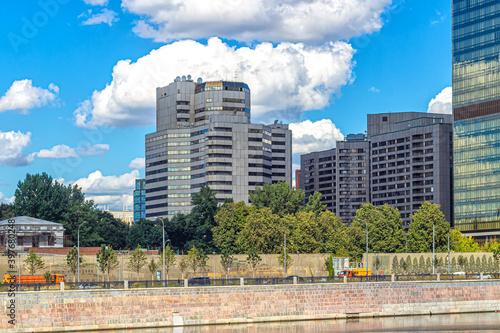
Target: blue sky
78, 76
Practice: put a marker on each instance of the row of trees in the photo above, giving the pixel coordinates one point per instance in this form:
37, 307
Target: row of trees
235, 228
471, 265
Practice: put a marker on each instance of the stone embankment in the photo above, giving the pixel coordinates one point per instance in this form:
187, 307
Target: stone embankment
89, 310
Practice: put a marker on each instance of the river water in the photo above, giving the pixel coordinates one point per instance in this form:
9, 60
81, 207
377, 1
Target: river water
478, 322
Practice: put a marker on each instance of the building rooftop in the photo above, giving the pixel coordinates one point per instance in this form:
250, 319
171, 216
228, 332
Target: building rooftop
30, 221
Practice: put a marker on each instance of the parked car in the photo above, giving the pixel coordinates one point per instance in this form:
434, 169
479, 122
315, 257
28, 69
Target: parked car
290, 278
88, 286
485, 276
201, 281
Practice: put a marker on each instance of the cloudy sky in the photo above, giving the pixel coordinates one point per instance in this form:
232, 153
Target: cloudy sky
77, 90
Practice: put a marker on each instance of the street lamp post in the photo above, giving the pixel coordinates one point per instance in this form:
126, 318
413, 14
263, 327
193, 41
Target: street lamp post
433, 251
375, 252
284, 247
214, 264
298, 265
163, 250
366, 243
78, 258
449, 251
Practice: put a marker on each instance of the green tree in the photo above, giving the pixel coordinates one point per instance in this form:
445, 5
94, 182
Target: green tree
262, 232
33, 263
72, 261
226, 260
229, 222
420, 231
107, 259
253, 261
196, 259
153, 266
314, 204
385, 231
395, 265
403, 266
279, 197
461, 243
421, 264
183, 265
145, 232
169, 260
137, 261
415, 266
201, 220
6, 211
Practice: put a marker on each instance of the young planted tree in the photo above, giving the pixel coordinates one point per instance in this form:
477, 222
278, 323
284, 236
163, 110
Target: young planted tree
253, 261
169, 259
33, 263
137, 261
107, 259
226, 260
72, 261
183, 265
153, 267
192, 259
395, 265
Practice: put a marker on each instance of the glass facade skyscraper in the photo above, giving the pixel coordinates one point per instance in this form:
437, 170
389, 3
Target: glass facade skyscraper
476, 110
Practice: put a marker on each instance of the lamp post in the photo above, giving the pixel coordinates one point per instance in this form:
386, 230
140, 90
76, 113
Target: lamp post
366, 243
298, 265
78, 258
375, 252
449, 251
163, 249
214, 264
433, 247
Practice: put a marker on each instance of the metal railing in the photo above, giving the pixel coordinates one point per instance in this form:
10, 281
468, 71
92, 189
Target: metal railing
206, 282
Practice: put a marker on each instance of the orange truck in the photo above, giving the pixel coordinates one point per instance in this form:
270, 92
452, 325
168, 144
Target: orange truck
32, 279
355, 272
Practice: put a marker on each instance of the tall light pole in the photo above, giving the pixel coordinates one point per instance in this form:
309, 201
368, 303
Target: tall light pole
163, 250
78, 258
449, 251
284, 248
433, 246
366, 243
298, 265
214, 264
375, 252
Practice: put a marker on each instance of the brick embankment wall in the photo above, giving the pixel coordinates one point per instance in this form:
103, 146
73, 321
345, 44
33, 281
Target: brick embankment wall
141, 308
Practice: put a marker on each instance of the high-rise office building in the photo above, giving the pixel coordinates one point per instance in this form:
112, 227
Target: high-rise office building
404, 160
204, 137
411, 161
340, 174
476, 110
140, 199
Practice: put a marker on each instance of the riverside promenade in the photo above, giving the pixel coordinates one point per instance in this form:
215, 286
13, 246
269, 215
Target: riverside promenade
90, 310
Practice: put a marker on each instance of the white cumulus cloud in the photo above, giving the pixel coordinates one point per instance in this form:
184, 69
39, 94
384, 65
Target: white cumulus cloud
308, 136
12, 145
97, 184
137, 163
64, 151
23, 96
285, 80
311, 21
442, 103
114, 191
5, 200
105, 16
113, 202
